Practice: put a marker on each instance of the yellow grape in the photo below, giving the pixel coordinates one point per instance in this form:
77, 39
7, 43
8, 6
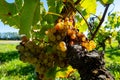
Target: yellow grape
66, 19
46, 32
69, 32
59, 26
70, 24
85, 44
71, 20
92, 44
64, 48
84, 38
79, 34
62, 43
73, 36
89, 48
66, 22
59, 20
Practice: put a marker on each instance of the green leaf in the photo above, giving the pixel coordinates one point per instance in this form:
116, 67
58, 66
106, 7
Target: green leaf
27, 16
51, 4
18, 4
51, 72
14, 21
9, 13
82, 27
86, 7
104, 2
49, 18
59, 6
36, 16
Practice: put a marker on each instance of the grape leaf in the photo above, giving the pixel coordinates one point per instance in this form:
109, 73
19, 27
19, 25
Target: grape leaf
86, 7
9, 13
18, 4
104, 2
36, 16
64, 72
59, 6
27, 16
82, 27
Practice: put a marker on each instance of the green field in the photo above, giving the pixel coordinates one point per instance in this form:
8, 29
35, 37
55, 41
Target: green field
11, 68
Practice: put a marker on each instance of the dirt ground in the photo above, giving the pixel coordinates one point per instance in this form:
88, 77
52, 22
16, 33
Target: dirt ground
9, 41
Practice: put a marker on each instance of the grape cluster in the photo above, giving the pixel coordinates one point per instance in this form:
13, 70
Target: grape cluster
47, 55
41, 58
65, 33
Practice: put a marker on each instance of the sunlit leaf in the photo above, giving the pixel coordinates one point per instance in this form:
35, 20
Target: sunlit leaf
82, 27
27, 16
9, 13
89, 6
86, 7
64, 73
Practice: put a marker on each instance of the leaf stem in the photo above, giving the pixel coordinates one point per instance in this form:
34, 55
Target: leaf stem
84, 20
101, 21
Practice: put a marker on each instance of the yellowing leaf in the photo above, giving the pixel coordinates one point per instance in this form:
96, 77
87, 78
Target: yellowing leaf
65, 73
86, 7
89, 6
82, 26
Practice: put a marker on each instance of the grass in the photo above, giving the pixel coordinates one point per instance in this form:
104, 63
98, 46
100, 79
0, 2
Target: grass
112, 59
11, 68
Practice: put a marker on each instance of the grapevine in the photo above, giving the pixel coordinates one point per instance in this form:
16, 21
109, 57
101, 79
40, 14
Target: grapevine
52, 53
53, 42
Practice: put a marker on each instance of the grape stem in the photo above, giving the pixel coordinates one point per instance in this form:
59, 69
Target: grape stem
85, 21
101, 21
96, 16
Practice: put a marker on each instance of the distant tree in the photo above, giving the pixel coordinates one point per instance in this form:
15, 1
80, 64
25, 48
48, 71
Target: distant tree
9, 36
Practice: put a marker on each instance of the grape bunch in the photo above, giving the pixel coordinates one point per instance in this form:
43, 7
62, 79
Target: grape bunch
41, 59
65, 33
45, 56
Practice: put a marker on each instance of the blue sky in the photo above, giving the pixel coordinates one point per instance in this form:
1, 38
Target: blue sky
7, 28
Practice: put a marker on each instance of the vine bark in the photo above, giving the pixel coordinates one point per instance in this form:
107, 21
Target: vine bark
90, 65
